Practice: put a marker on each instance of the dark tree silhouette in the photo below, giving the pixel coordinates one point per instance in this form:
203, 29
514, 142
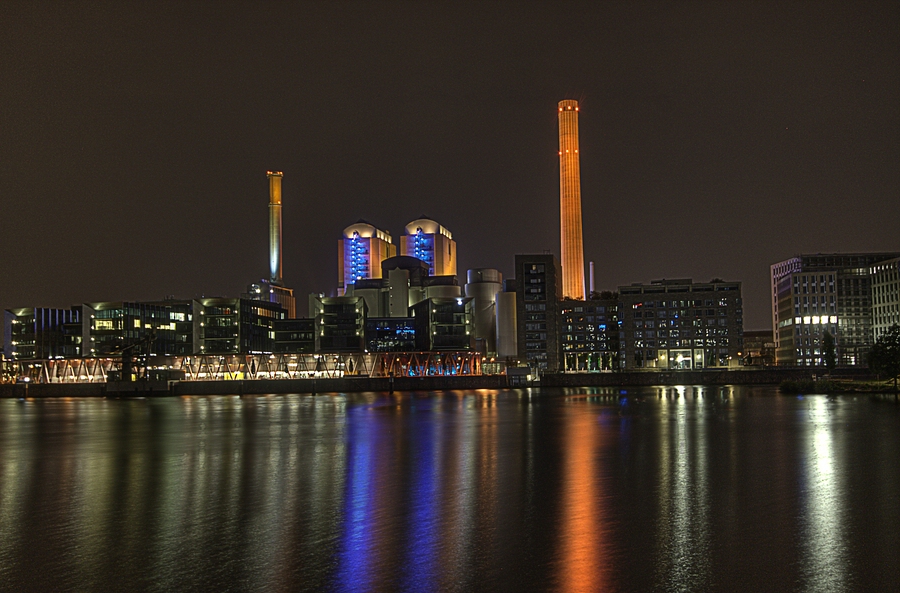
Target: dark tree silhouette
828, 351
884, 357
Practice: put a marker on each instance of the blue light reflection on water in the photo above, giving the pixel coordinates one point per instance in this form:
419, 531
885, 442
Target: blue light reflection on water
357, 540
421, 558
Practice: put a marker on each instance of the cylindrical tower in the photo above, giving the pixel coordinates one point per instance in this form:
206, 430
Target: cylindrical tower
571, 246
483, 285
275, 227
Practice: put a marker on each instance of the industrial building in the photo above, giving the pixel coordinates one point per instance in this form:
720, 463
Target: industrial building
570, 232
360, 253
430, 242
677, 324
403, 282
817, 293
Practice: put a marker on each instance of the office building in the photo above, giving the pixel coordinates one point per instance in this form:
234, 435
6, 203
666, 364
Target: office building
340, 323
42, 333
538, 286
570, 233
589, 335
759, 348
294, 336
885, 296
817, 293
430, 242
360, 253
444, 324
677, 324
390, 334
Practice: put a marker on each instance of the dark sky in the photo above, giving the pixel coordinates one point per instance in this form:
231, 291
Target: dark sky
716, 138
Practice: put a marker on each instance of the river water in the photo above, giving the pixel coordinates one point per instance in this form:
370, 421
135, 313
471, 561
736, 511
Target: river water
655, 489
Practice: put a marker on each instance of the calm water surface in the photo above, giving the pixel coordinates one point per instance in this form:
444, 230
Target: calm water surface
660, 489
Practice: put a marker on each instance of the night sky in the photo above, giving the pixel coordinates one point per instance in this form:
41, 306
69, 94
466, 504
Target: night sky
716, 138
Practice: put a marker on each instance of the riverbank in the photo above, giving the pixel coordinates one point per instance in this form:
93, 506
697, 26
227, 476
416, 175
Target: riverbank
351, 384
837, 386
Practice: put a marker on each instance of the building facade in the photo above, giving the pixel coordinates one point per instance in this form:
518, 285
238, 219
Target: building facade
430, 242
677, 324
589, 335
538, 292
340, 323
444, 324
360, 253
814, 294
885, 296
42, 333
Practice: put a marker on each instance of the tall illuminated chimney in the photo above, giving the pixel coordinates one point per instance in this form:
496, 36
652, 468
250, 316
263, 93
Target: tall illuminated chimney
275, 227
571, 247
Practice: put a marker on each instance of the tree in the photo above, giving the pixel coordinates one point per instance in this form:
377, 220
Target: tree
884, 357
828, 351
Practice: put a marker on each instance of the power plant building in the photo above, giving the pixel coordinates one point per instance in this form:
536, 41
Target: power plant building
360, 253
483, 286
570, 234
430, 242
273, 289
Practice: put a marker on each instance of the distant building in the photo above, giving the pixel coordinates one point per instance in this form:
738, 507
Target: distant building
42, 333
589, 335
234, 326
360, 253
340, 323
483, 285
391, 334
538, 292
403, 282
444, 324
294, 336
885, 296
430, 242
677, 324
759, 347
814, 294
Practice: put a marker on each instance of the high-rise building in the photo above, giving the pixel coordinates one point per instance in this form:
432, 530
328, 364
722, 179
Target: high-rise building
537, 311
430, 242
360, 253
570, 234
824, 292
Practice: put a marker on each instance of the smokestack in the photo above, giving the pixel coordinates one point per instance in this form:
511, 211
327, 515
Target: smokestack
571, 247
275, 227
592, 277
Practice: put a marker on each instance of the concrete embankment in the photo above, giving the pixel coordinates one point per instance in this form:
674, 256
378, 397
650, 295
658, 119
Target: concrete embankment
771, 376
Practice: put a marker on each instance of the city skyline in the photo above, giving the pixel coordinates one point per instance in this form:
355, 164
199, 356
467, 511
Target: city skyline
717, 140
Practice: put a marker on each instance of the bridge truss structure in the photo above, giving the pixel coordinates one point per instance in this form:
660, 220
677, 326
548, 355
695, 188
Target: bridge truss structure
231, 367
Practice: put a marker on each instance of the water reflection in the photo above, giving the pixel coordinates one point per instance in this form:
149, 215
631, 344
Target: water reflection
683, 488
822, 524
584, 563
